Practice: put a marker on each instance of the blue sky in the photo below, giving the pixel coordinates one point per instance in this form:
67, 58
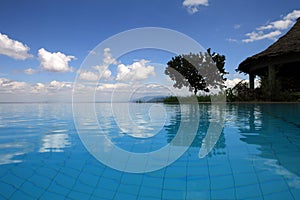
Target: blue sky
33, 31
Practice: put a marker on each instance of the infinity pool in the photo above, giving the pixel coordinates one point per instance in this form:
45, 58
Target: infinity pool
257, 155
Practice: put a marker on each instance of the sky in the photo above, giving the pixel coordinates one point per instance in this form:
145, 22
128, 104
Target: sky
44, 43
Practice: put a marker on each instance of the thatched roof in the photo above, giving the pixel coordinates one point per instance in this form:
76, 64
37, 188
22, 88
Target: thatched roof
286, 48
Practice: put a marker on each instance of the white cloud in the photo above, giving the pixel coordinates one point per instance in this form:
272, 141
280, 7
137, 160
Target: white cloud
280, 25
13, 48
12, 86
193, 5
56, 85
276, 28
9, 86
137, 71
38, 88
230, 83
108, 87
254, 36
108, 58
237, 26
231, 40
54, 62
18, 91
30, 71
103, 71
293, 15
88, 75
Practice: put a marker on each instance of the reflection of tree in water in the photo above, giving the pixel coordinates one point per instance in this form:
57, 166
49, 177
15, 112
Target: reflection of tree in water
275, 128
205, 116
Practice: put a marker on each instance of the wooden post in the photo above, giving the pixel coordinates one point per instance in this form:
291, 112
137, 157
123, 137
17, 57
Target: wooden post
271, 79
251, 81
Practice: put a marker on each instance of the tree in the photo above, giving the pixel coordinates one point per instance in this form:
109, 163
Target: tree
198, 72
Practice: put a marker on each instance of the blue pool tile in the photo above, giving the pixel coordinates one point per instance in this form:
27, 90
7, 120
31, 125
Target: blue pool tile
222, 182
12, 180
70, 172
198, 183
173, 194
40, 181
131, 189
248, 191
296, 192
20, 195
148, 198
146, 191
132, 179
223, 194
286, 195
175, 172
22, 172
32, 190
88, 179
93, 169
268, 175
220, 170
174, 183
242, 179
83, 188
100, 193
200, 170
122, 196
242, 166
46, 172
58, 189
4, 170
77, 195
6, 190
112, 174
273, 186
66, 181
198, 194
155, 182
107, 183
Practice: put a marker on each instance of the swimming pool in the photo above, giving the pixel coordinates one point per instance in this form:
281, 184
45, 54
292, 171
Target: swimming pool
257, 155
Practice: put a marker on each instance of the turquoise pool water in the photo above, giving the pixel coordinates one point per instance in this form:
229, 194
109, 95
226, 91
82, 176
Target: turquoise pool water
256, 157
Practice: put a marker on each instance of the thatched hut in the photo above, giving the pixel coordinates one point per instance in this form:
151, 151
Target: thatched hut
279, 62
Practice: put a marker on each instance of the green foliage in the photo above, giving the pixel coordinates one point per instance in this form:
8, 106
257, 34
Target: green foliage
266, 92
240, 92
272, 92
191, 99
198, 72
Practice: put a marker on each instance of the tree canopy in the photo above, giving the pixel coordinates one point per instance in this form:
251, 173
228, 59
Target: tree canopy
198, 72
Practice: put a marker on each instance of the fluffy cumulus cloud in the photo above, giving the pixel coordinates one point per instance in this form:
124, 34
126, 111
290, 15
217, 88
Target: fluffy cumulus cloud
103, 74
99, 71
254, 36
88, 75
13, 48
18, 91
273, 29
54, 62
193, 5
137, 71
10, 86
230, 83
56, 85
108, 59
